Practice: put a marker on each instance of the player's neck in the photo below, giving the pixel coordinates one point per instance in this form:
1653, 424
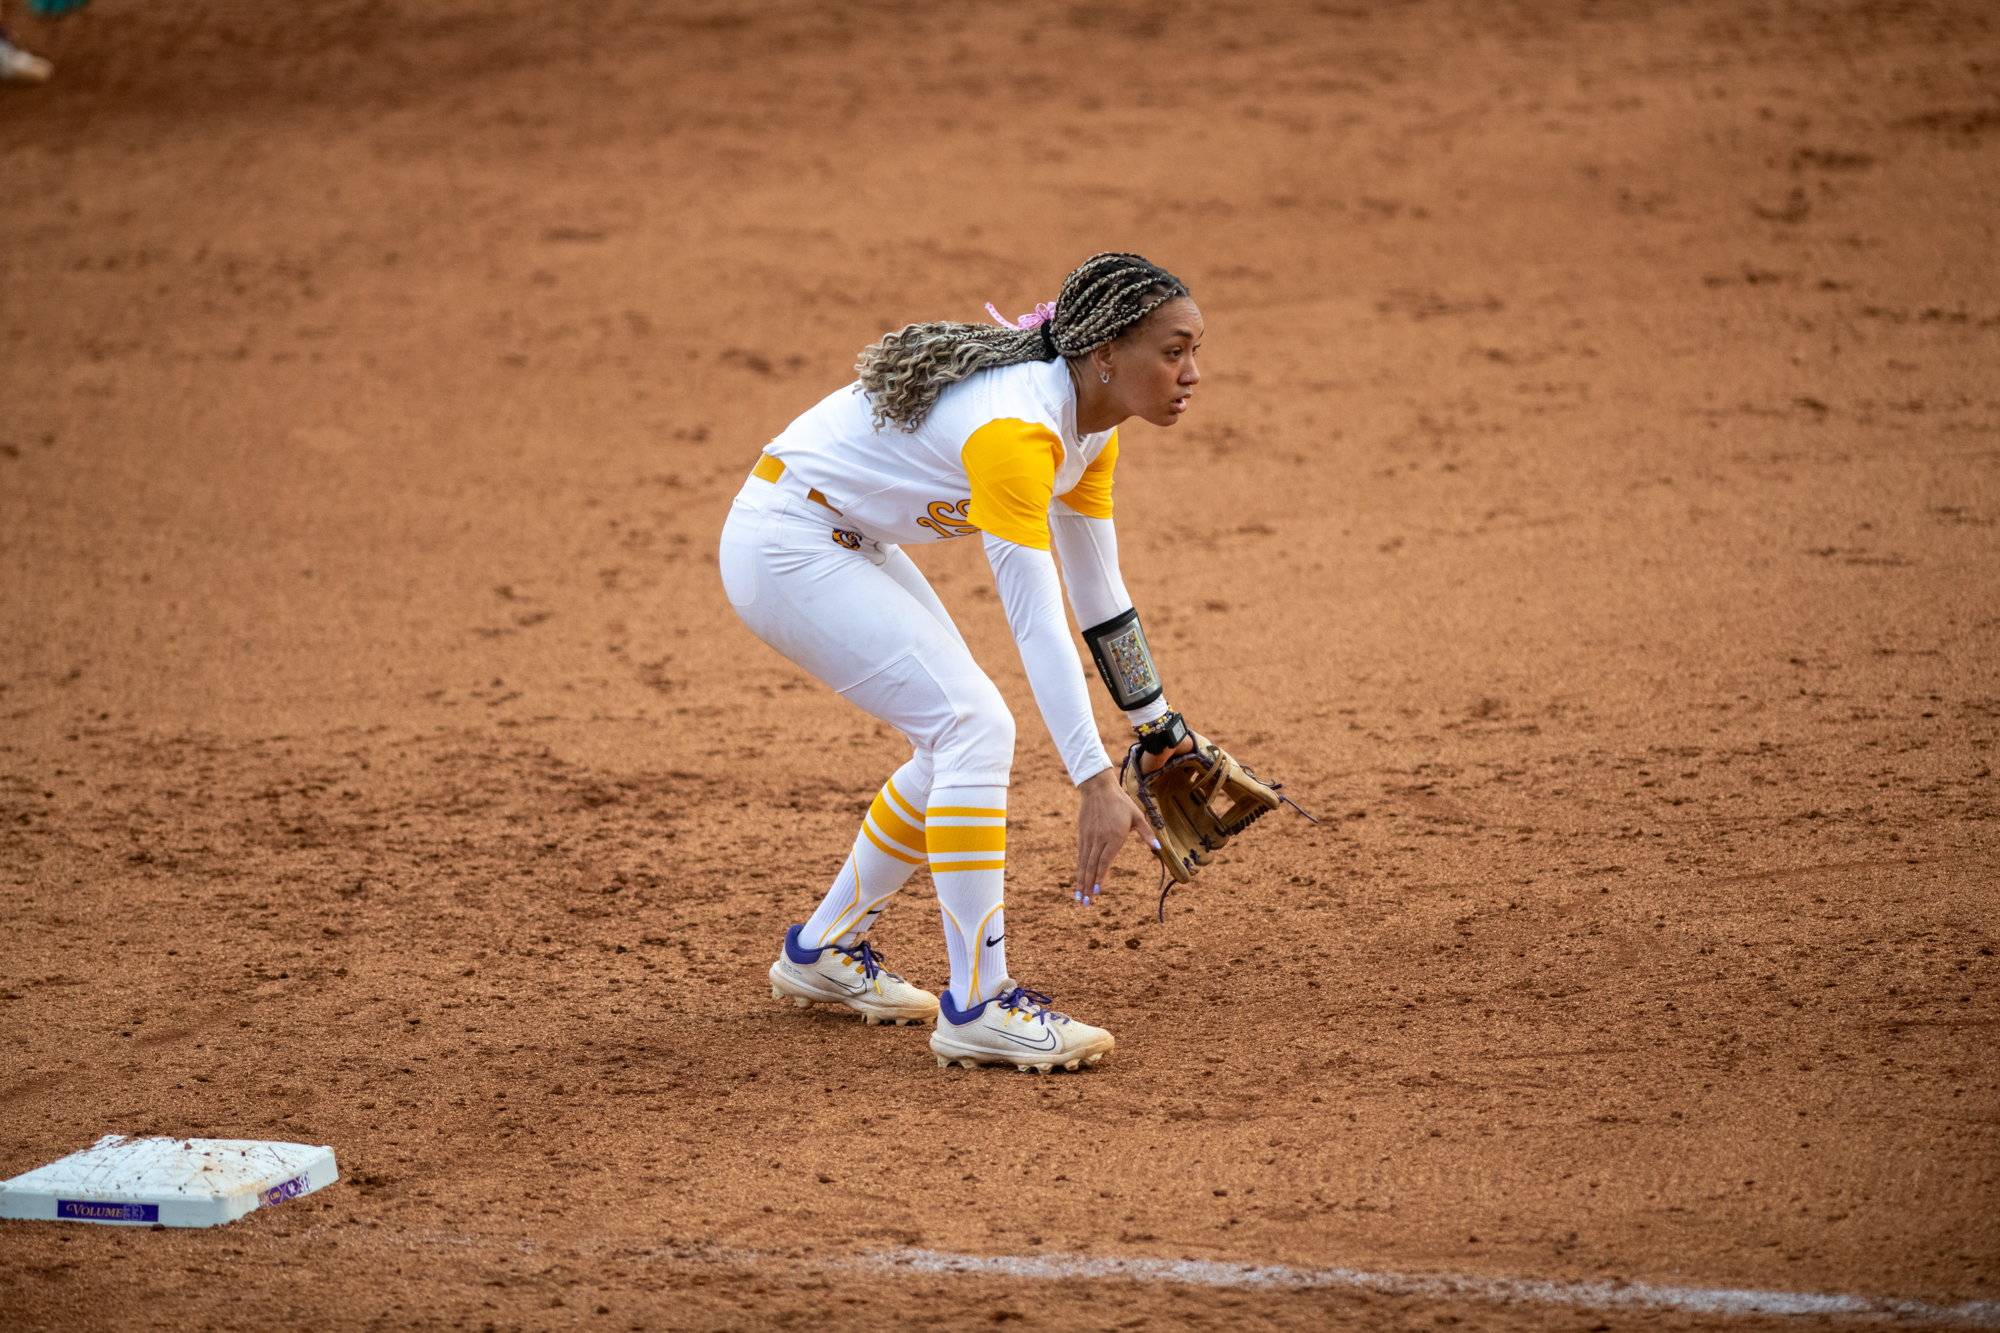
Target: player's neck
1096, 409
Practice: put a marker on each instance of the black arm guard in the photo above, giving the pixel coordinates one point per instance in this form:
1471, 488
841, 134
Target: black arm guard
1118, 646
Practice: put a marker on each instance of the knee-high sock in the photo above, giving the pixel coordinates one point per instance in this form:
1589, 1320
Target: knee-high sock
887, 850
966, 828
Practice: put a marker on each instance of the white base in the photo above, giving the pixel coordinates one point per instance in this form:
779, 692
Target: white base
167, 1182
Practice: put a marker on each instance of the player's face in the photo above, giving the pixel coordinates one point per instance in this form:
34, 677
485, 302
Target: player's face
1153, 370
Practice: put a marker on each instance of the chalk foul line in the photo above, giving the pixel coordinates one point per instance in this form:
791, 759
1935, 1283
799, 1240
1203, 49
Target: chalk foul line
1458, 1286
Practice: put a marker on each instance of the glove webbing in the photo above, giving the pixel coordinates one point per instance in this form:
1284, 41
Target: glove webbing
1232, 827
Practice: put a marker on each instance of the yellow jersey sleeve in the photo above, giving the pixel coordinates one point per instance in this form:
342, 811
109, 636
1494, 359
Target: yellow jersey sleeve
1091, 496
1011, 467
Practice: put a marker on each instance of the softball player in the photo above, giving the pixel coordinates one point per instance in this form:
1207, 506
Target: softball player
955, 430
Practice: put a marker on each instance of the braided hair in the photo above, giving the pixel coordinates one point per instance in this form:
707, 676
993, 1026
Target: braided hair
1104, 297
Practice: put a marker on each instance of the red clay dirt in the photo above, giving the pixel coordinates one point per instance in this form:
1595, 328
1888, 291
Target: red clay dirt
1589, 511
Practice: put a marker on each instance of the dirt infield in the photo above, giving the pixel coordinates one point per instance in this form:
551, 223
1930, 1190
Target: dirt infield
1592, 511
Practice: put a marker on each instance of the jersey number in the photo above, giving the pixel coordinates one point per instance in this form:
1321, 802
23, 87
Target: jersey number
949, 520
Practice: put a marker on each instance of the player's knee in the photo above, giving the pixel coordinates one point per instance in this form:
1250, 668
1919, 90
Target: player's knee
922, 767
985, 735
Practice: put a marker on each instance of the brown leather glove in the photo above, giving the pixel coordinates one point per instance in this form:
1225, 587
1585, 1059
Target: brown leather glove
1181, 799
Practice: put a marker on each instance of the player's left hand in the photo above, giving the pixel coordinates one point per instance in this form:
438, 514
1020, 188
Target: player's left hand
1153, 763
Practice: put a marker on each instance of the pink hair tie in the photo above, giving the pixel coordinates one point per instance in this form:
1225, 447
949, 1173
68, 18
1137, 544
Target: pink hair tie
1042, 314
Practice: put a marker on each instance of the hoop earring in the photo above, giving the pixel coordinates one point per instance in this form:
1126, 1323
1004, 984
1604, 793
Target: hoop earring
1104, 375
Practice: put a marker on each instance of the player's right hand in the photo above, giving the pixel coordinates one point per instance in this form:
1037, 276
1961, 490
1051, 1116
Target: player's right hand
1106, 818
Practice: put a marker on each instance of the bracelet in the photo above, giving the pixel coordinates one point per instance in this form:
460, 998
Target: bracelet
1162, 733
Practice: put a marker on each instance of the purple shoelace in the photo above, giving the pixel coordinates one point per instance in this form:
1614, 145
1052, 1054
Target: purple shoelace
1031, 1002
871, 962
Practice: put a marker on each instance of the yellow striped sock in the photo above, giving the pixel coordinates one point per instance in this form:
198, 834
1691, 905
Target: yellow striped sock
966, 832
887, 850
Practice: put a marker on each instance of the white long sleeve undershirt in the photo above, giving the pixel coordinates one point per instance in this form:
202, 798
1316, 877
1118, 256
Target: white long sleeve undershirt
1088, 549
1031, 594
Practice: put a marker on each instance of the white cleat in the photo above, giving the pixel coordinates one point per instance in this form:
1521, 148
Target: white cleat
1015, 1027
853, 977
18, 66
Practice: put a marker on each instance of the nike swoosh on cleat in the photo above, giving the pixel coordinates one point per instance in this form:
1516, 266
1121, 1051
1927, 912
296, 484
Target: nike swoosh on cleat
1048, 1045
835, 982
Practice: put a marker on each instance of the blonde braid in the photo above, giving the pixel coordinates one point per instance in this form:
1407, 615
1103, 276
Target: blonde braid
1106, 295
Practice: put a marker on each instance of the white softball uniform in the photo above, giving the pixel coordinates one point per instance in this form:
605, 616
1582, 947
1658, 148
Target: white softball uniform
810, 559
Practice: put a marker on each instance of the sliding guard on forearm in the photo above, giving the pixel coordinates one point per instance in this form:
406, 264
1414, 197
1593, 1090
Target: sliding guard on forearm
1118, 646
